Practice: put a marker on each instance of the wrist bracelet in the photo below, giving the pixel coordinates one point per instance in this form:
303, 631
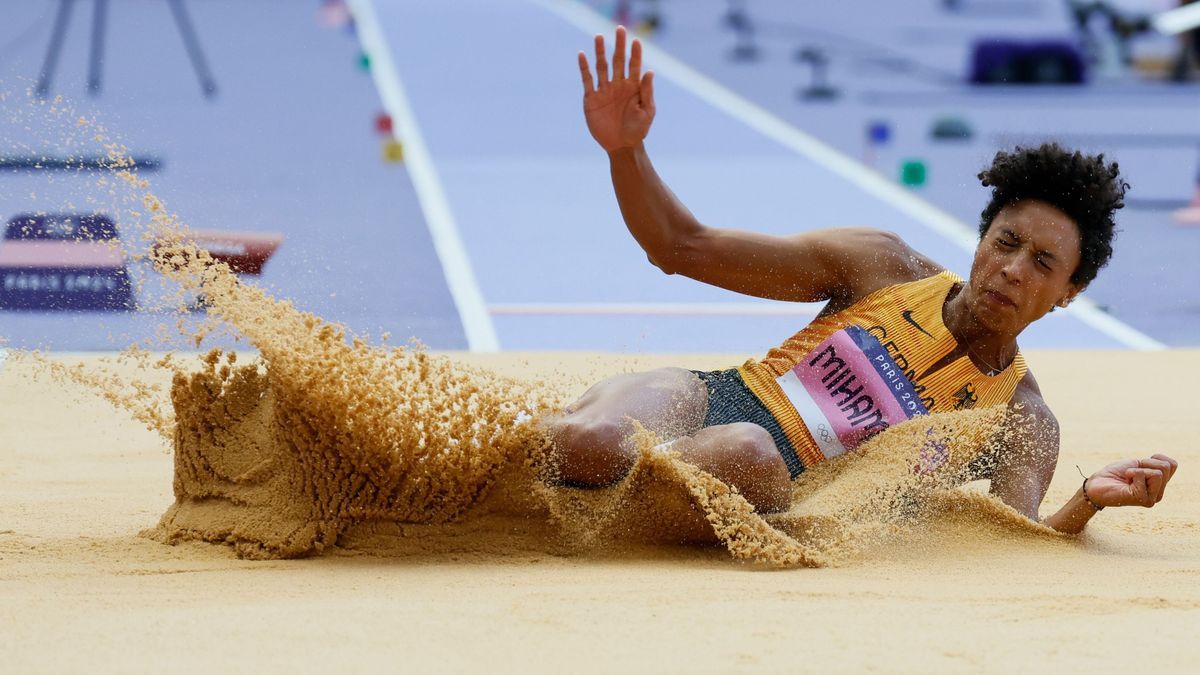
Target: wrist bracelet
1088, 499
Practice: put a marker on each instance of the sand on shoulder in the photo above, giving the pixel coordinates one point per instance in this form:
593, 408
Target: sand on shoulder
79, 481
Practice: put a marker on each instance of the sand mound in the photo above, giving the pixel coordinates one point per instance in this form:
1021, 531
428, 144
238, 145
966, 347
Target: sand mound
282, 462
279, 462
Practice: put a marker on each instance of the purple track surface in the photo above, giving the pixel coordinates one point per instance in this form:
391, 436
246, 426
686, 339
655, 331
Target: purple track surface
287, 145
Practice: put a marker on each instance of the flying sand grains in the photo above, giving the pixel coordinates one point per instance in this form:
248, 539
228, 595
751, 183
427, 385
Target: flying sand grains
323, 437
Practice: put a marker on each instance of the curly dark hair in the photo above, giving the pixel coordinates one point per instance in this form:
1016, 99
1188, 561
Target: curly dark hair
1084, 187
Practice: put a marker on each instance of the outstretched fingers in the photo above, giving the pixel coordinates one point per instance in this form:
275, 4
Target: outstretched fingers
601, 63
618, 64
635, 61
603, 78
588, 85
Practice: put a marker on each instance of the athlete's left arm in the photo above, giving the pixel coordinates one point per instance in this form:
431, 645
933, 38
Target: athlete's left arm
1025, 461
1023, 458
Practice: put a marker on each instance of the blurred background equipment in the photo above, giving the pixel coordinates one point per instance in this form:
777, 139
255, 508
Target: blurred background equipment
334, 14
393, 150
63, 262
951, 128
1006, 61
651, 20
1183, 21
1106, 33
383, 124
183, 21
913, 172
244, 252
818, 88
878, 133
737, 19
48, 161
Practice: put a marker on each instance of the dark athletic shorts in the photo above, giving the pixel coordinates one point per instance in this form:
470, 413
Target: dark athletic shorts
730, 400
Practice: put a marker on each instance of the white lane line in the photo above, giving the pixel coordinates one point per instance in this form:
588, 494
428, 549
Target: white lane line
456, 265
768, 124
1088, 312
651, 309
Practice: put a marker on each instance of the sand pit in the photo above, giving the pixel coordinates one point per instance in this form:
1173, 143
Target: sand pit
335, 503
79, 481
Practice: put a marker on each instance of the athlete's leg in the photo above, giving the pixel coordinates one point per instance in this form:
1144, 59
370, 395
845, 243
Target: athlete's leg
592, 436
744, 456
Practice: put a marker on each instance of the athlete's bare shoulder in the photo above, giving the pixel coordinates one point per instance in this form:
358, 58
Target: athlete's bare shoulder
875, 259
1028, 396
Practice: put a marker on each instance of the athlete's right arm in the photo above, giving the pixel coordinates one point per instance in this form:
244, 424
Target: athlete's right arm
838, 264
826, 264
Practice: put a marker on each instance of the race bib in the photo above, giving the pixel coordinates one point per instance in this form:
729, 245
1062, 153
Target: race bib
847, 389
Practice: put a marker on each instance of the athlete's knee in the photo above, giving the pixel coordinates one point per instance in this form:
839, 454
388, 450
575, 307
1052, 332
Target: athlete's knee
743, 446
748, 458
591, 433
763, 454
591, 451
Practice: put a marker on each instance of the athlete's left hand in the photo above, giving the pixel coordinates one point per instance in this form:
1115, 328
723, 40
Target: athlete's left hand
1132, 482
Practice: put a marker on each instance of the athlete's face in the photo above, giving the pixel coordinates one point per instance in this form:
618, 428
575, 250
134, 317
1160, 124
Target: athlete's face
1023, 266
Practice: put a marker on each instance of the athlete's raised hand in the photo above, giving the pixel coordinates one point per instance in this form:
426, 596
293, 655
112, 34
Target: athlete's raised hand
1133, 482
619, 109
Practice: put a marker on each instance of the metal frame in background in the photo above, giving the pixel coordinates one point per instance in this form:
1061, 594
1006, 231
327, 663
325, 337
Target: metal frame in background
183, 21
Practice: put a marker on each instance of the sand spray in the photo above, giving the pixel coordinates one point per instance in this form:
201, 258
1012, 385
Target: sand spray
326, 438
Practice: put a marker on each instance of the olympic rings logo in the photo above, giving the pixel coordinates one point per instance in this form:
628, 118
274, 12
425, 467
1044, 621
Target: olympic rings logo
826, 434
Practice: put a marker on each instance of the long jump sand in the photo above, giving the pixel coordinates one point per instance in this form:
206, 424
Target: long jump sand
82, 590
383, 508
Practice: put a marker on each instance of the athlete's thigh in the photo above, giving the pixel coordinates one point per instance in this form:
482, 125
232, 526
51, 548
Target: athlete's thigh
671, 402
